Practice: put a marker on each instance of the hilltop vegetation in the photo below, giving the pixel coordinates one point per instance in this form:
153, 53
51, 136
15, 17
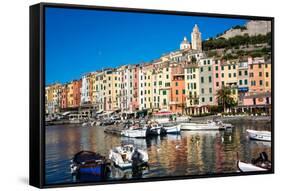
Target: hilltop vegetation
236, 41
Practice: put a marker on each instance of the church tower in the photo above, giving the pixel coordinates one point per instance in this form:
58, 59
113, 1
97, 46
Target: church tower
196, 38
185, 44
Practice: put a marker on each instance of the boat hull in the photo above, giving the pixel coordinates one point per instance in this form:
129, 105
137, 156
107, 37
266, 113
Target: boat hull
134, 133
259, 135
173, 129
200, 127
246, 167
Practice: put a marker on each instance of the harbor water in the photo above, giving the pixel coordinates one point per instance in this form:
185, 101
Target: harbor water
189, 153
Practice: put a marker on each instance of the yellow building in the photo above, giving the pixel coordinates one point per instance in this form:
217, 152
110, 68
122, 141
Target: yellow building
229, 76
52, 94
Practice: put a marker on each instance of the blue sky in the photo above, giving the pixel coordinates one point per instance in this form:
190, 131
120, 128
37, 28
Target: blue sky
79, 40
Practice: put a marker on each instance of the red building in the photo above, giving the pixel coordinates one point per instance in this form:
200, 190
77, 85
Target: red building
177, 103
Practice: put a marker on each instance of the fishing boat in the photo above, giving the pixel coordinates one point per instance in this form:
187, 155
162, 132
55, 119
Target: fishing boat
210, 125
172, 128
128, 156
259, 135
260, 164
88, 162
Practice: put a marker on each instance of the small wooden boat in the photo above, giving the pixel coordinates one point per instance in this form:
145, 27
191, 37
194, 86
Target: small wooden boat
260, 164
134, 133
248, 167
259, 135
172, 128
210, 125
128, 156
88, 162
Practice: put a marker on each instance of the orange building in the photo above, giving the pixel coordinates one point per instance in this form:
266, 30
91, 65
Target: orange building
74, 93
63, 101
259, 75
177, 102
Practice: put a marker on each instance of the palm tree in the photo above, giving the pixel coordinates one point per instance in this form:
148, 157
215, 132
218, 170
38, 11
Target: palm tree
224, 98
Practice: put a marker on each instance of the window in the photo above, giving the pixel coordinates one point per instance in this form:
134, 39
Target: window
209, 68
240, 73
210, 79
208, 61
202, 69
222, 83
164, 102
259, 65
234, 66
229, 67
251, 66
222, 75
177, 83
240, 82
234, 75
233, 91
266, 74
164, 92
202, 90
251, 74
160, 83
177, 92
245, 72
217, 75
211, 99
202, 79
266, 84
194, 86
203, 99
265, 65
246, 82
222, 67
217, 68
229, 75
167, 76
210, 90
204, 62
217, 84
260, 74
261, 83
183, 91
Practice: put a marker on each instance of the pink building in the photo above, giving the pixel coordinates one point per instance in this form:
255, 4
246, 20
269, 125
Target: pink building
217, 84
135, 102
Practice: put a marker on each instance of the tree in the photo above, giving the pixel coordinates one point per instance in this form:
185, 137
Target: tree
225, 98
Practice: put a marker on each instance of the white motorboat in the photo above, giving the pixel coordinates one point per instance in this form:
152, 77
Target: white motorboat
128, 156
259, 135
134, 133
210, 125
173, 129
248, 167
262, 163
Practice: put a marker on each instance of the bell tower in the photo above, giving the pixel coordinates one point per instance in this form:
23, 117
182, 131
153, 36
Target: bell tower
196, 38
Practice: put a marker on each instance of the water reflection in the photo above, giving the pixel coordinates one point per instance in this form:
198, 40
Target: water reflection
190, 153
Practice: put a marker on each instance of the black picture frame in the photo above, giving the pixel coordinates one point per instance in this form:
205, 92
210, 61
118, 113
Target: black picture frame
37, 93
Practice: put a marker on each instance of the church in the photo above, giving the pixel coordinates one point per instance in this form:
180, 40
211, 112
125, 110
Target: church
196, 41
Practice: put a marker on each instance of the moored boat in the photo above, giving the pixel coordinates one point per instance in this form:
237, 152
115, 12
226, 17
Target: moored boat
88, 162
210, 125
259, 164
128, 156
259, 135
172, 128
134, 133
